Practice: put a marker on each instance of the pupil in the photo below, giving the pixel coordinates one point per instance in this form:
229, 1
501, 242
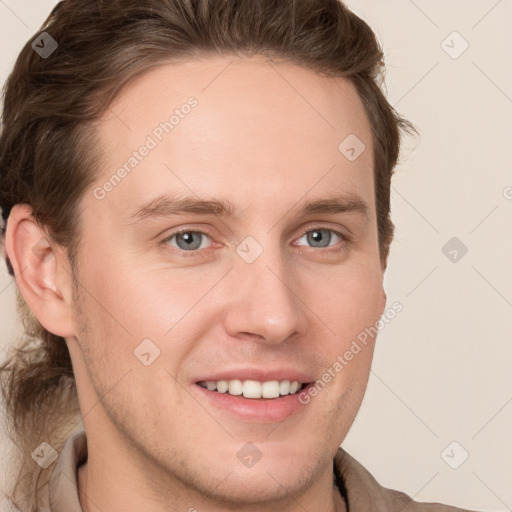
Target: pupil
317, 236
186, 241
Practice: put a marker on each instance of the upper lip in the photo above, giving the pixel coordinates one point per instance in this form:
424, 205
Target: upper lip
259, 374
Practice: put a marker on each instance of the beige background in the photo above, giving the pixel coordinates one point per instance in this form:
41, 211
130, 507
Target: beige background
442, 367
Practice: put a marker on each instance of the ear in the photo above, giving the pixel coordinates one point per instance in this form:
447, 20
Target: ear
41, 270
383, 296
383, 300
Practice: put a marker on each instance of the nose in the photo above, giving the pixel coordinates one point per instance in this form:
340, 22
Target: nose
265, 302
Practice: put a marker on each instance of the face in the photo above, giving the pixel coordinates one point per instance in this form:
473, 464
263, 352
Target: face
256, 287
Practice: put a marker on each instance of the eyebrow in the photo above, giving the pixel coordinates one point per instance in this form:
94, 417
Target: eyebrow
167, 205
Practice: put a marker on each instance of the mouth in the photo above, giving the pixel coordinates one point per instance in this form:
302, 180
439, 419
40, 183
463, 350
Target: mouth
253, 389
254, 401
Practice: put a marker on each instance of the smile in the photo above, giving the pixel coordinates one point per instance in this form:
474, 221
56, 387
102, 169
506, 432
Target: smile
253, 388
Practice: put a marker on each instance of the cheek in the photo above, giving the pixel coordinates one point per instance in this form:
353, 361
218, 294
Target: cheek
126, 305
350, 301
350, 308
133, 302
130, 301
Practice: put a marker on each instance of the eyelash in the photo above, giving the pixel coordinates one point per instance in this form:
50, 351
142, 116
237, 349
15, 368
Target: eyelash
344, 240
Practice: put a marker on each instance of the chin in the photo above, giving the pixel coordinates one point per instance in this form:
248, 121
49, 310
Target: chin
258, 485
280, 471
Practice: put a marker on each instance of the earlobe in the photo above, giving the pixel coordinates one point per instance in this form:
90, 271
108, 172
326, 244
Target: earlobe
39, 271
383, 301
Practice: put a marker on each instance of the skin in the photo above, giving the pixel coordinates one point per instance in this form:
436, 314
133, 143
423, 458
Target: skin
264, 136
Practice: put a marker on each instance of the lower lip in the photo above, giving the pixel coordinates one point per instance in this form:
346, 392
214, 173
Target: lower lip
264, 410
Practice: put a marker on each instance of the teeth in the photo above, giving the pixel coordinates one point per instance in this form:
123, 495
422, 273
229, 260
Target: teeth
235, 387
253, 388
270, 389
222, 386
284, 387
294, 386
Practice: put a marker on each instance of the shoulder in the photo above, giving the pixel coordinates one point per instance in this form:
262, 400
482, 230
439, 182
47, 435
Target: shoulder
364, 493
407, 504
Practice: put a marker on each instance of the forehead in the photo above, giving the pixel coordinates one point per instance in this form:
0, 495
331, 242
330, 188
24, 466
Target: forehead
258, 128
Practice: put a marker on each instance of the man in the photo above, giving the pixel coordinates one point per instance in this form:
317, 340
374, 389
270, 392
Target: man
196, 197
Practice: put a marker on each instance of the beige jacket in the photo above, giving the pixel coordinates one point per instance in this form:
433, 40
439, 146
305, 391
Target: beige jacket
361, 491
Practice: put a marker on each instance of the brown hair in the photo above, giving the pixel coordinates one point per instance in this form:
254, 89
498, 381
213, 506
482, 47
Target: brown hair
47, 161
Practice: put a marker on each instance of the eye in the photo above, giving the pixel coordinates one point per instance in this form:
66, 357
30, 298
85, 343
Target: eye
187, 240
192, 242
322, 237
